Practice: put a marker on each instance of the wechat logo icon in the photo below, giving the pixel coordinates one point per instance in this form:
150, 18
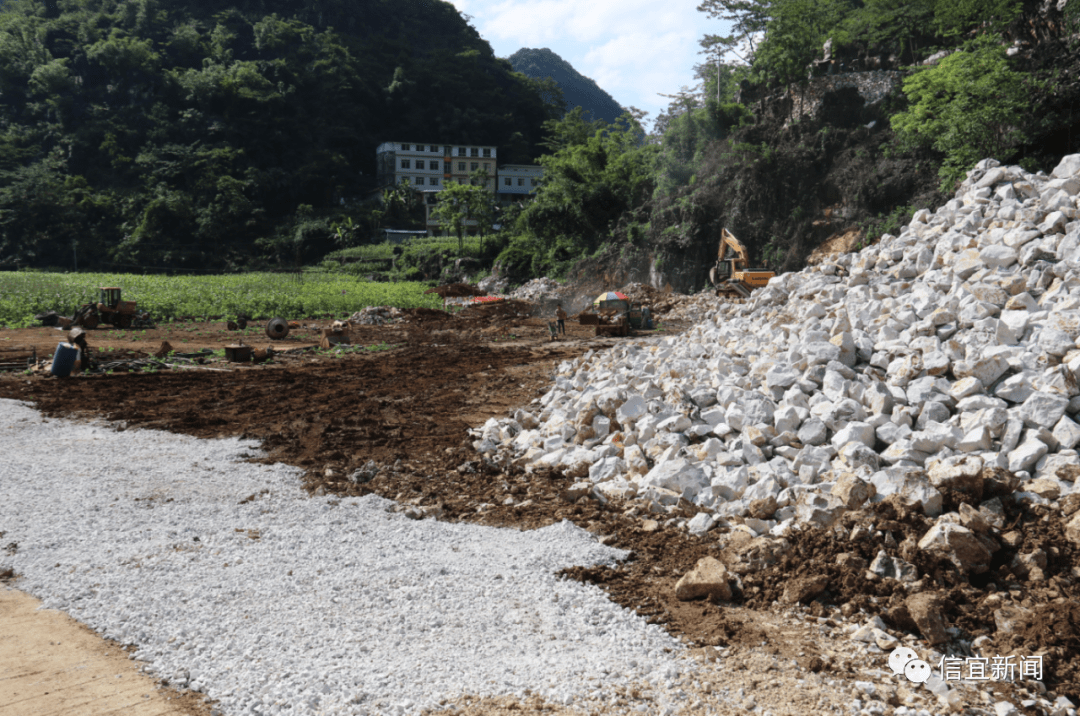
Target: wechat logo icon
904, 661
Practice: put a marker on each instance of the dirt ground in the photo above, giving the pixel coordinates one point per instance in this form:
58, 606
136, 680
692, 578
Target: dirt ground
407, 406
51, 664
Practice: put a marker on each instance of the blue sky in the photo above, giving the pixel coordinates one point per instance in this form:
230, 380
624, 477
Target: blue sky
633, 49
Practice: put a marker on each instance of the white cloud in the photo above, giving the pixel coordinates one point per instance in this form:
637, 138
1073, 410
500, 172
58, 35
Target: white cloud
637, 67
633, 49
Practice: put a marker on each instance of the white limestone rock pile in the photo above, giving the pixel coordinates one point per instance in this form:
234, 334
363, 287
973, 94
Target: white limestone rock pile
377, 315
695, 307
538, 290
911, 366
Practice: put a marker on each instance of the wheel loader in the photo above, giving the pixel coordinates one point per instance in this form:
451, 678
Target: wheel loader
730, 275
110, 309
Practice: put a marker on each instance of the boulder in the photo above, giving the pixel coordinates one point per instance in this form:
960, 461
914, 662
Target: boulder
998, 256
1024, 457
888, 567
756, 554
973, 519
914, 490
846, 344
1043, 410
1045, 487
676, 475
1072, 529
1067, 167
858, 432
852, 491
803, 589
927, 611
764, 508
607, 469
708, 578
630, 411
819, 510
986, 370
962, 473
959, 545
700, 523
1010, 619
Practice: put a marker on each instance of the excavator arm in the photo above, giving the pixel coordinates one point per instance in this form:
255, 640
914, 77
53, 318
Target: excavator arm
728, 243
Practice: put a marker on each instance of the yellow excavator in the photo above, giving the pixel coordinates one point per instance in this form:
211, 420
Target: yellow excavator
730, 275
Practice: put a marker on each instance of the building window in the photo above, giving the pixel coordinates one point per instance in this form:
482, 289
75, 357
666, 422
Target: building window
533, 181
405, 147
404, 180
433, 164
507, 182
521, 181
434, 181
475, 152
461, 151
461, 166
420, 181
404, 163
487, 152
473, 166
433, 148
487, 167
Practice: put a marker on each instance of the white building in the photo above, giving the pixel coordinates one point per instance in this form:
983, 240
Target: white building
429, 166
518, 181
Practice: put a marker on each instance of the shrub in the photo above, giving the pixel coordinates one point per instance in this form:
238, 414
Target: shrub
969, 106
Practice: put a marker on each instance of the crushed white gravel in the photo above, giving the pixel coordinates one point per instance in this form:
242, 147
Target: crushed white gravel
285, 604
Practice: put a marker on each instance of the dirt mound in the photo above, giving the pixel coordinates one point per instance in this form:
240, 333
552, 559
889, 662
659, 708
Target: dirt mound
427, 315
496, 310
1023, 611
456, 290
840, 243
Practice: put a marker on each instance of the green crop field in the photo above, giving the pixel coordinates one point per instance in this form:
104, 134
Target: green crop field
258, 295
472, 246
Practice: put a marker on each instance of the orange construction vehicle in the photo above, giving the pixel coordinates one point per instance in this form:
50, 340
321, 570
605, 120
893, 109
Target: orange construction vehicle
110, 309
731, 274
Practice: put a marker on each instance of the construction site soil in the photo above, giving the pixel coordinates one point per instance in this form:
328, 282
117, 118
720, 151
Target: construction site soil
408, 405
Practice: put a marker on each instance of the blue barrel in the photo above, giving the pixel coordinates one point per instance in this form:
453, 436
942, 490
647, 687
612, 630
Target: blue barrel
64, 360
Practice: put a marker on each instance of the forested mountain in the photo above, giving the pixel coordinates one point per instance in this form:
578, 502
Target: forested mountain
578, 90
175, 133
839, 119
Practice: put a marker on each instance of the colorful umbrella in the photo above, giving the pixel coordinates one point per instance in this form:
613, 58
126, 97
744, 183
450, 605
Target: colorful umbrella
609, 296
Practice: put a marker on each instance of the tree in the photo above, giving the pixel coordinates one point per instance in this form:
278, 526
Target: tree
749, 19
588, 183
795, 32
894, 22
482, 203
403, 204
969, 106
456, 205
955, 17
571, 129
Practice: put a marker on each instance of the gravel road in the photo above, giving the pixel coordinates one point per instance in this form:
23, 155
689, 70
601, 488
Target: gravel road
233, 582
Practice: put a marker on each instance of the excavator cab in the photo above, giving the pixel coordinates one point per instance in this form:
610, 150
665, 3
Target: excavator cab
723, 270
109, 297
